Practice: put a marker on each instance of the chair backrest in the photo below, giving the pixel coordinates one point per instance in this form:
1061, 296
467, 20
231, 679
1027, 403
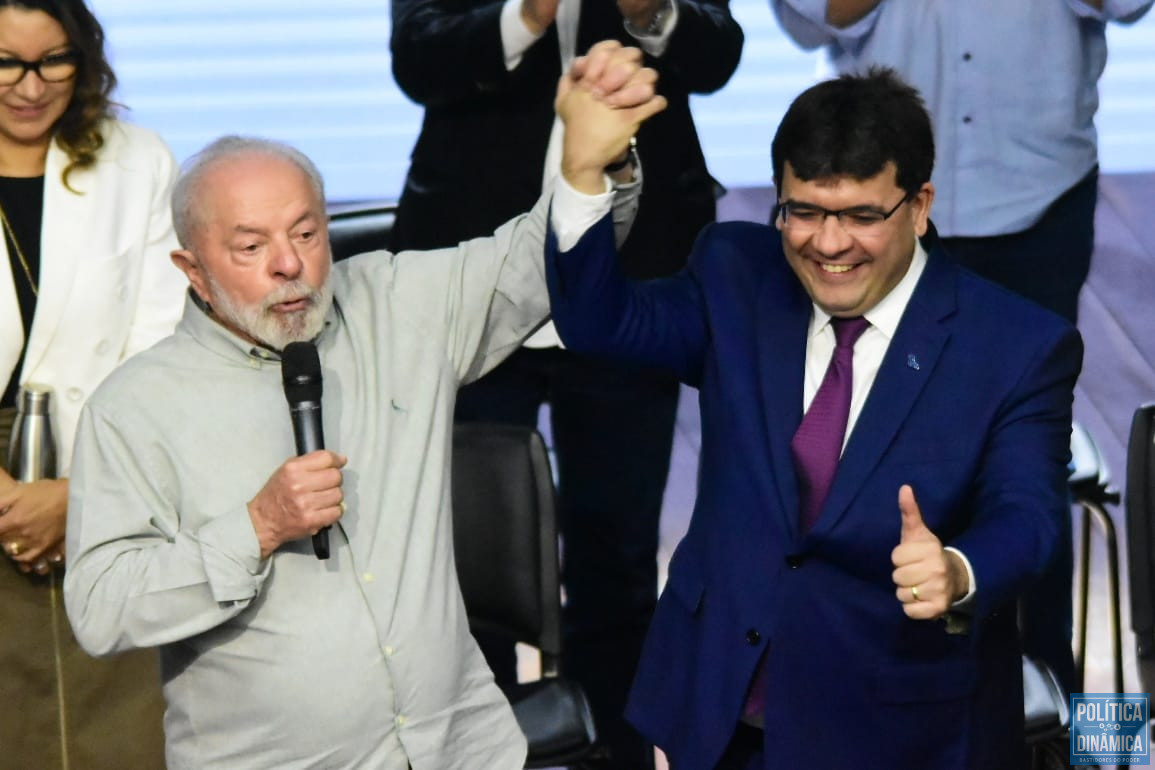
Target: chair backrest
505, 535
358, 228
1046, 713
1140, 507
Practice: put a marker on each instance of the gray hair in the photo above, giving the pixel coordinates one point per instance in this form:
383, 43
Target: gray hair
185, 214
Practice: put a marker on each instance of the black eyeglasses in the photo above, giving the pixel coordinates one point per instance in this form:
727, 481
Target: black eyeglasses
856, 220
51, 69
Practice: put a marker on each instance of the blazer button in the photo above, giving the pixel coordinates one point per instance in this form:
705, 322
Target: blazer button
794, 560
753, 637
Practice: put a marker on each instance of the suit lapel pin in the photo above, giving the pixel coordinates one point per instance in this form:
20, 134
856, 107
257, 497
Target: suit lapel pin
912, 362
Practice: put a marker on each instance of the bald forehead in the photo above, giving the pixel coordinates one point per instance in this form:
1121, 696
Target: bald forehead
232, 185
254, 168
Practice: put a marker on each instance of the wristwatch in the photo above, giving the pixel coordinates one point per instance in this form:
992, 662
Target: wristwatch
630, 159
657, 22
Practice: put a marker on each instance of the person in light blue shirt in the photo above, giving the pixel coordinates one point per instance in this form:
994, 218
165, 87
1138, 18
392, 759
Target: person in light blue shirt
1012, 88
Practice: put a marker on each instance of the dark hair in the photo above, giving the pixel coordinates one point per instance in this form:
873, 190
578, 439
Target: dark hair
853, 126
78, 129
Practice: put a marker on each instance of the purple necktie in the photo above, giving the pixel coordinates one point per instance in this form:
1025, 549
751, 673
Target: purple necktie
817, 444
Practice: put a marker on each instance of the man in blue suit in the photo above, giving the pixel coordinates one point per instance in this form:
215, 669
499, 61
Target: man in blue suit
856, 613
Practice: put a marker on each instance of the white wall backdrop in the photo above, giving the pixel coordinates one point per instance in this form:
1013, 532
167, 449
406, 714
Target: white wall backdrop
318, 75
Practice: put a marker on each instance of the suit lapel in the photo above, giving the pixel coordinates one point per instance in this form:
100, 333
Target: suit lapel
906, 368
61, 243
783, 323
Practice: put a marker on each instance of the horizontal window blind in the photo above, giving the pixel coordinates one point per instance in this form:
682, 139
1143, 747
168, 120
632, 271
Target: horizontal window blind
318, 76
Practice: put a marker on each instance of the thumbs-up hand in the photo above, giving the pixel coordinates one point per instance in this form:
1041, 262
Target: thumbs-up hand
926, 577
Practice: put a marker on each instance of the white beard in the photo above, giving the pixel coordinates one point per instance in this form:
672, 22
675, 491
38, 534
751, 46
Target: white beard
275, 330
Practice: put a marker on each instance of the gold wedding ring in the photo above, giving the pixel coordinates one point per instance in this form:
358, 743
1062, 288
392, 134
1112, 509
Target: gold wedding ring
14, 548
914, 592
341, 505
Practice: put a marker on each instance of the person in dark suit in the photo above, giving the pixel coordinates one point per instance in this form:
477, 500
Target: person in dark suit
1018, 181
866, 517
486, 72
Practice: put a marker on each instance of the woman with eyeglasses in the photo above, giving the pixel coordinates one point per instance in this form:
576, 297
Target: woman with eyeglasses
85, 281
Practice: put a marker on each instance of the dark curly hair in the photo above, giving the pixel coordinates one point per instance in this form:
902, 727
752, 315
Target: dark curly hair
78, 129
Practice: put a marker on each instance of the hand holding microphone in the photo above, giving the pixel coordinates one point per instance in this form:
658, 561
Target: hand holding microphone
303, 497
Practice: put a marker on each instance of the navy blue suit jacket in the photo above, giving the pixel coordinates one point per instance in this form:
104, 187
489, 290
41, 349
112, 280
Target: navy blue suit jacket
971, 406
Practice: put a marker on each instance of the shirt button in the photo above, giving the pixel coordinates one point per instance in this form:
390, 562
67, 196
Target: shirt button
75, 394
753, 637
967, 56
400, 720
967, 119
388, 651
367, 577
102, 347
254, 362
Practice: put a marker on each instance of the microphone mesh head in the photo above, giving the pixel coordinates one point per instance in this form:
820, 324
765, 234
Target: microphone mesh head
301, 372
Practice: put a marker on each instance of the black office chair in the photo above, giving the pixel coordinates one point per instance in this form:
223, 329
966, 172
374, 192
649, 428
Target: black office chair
505, 537
1140, 508
1047, 716
359, 227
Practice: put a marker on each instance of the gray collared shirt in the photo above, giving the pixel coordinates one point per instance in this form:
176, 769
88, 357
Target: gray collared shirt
361, 661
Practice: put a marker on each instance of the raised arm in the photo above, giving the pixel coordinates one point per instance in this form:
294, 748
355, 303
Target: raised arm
446, 51
843, 13
1122, 11
595, 309
703, 46
815, 23
660, 323
484, 297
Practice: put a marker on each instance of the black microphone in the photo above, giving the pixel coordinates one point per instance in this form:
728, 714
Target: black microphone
301, 375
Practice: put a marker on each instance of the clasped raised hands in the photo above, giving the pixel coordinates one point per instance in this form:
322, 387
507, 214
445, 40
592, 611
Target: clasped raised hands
602, 100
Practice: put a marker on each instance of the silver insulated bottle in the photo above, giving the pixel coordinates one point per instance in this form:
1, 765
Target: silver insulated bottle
32, 447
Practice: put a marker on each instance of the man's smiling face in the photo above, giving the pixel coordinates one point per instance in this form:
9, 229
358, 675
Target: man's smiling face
847, 270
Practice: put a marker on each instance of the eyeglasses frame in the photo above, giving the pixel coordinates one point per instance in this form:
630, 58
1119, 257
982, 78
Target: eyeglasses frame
72, 57
780, 208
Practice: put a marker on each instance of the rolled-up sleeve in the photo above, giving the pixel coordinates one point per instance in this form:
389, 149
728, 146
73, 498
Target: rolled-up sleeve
136, 577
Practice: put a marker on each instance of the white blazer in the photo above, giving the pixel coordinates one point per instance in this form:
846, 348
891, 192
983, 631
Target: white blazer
107, 286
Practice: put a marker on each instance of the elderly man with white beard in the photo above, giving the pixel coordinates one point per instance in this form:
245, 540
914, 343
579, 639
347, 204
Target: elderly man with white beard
190, 528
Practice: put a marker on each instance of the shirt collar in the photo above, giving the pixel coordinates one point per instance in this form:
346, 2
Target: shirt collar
888, 312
